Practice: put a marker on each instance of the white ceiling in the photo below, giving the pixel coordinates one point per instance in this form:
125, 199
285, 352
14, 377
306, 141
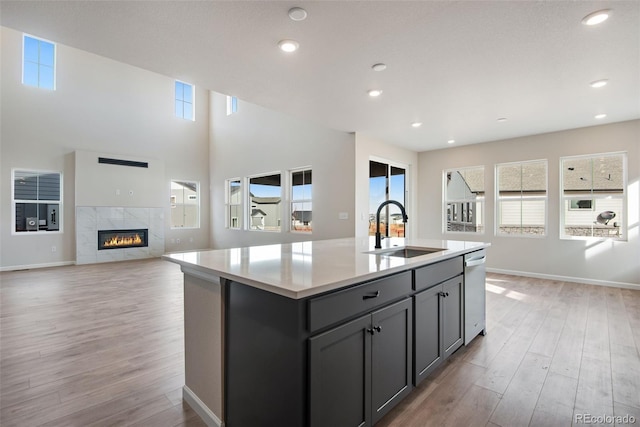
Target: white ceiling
455, 66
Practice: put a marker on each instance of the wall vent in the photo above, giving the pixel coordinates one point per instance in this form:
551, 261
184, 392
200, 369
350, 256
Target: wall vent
119, 162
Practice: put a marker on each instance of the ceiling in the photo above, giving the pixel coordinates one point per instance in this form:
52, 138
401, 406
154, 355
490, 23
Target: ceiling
454, 66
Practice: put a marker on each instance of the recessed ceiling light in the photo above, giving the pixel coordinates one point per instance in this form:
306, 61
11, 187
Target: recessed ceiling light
451, 141
600, 116
416, 124
599, 83
379, 67
502, 119
288, 45
597, 17
374, 93
297, 14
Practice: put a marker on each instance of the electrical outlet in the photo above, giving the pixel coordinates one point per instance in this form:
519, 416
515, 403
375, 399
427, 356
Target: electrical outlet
130, 192
53, 249
178, 241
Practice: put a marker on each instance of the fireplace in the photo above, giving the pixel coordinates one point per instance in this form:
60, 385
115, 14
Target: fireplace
119, 239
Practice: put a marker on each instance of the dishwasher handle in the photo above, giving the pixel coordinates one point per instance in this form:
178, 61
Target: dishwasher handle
474, 261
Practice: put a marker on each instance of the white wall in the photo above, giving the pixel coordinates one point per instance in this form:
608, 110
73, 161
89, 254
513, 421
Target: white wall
99, 184
368, 148
99, 105
256, 140
606, 262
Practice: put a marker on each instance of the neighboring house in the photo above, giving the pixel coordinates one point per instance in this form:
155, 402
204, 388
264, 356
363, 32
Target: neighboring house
257, 219
184, 204
462, 213
593, 196
265, 213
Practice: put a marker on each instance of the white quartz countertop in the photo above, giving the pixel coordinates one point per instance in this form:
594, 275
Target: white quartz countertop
299, 270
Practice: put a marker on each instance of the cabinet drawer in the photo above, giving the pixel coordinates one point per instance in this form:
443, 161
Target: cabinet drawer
331, 308
433, 274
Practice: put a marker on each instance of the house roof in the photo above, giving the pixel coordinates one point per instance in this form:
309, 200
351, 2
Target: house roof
604, 174
580, 174
266, 200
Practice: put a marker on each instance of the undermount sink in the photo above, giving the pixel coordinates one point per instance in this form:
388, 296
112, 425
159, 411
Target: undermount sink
406, 252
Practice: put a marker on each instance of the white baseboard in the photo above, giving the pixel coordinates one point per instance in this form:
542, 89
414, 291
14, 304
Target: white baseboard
201, 409
32, 266
567, 279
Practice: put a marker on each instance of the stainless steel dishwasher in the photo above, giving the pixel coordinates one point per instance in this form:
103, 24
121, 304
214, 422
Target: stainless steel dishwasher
474, 295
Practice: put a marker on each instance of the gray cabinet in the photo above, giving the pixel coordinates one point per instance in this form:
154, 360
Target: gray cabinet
344, 358
428, 325
438, 315
361, 369
452, 315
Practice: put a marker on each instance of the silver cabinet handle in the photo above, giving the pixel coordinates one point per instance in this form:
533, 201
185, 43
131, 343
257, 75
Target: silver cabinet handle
474, 261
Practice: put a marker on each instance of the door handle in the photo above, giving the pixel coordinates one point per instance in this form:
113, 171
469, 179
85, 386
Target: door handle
373, 295
474, 261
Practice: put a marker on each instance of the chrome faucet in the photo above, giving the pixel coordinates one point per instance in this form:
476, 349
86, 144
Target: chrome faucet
383, 204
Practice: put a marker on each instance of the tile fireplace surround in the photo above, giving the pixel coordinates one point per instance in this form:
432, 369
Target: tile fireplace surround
90, 219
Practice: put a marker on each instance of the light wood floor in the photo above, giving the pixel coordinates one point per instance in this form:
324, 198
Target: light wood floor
103, 345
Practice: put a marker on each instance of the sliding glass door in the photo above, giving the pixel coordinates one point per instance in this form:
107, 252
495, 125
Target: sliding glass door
386, 182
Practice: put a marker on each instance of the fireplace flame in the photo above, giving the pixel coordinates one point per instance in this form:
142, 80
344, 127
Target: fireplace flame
116, 241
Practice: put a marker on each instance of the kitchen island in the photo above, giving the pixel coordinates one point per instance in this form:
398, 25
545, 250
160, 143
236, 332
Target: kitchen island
319, 333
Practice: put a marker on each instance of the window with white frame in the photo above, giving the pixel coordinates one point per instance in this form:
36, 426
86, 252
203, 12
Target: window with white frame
521, 198
593, 196
464, 200
232, 105
38, 62
265, 201
234, 204
185, 204
36, 201
184, 100
301, 201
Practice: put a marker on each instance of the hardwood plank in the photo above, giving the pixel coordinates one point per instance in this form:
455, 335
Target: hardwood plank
625, 375
556, 401
594, 394
626, 413
133, 415
519, 400
435, 410
568, 353
176, 415
11, 414
483, 349
504, 366
474, 408
596, 340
